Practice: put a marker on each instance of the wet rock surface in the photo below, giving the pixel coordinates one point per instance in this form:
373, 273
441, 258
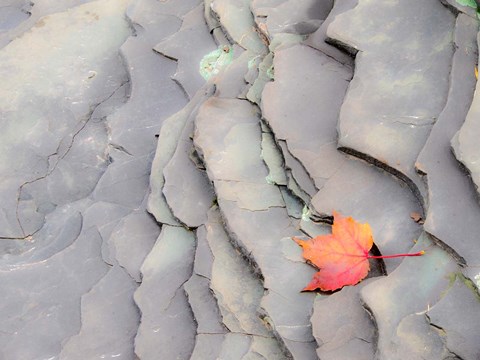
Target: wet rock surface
157, 158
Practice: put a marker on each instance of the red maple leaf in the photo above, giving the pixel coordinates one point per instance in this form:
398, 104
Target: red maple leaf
342, 256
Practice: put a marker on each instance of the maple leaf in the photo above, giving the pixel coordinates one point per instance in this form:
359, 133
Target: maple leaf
342, 256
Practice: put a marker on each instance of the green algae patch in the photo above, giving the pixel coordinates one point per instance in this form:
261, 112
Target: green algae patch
470, 3
213, 62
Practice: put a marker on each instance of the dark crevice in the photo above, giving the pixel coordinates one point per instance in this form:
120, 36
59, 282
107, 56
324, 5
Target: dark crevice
382, 166
375, 334
460, 259
375, 251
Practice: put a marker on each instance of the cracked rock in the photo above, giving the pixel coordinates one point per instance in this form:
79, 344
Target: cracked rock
38, 117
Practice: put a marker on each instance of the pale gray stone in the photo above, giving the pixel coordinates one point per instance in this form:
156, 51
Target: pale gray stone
450, 191
187, 189
188, 46
400, 84
458, 316
464, 143
42, 309
237, 19
204, 306
342, 327
39, 116
131, 240
419, 282
256, 233
109, 320
162, 300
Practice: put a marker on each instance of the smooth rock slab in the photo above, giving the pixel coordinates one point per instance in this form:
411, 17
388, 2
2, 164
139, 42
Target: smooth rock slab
342, 327
401, 80
109, 320
207, 346
417, 339
105, 217
295, 17
241, 347
188, 46
273, 159
214, 122
236, 18
187, 189
13, 13
154, 95
62, 227
415, 286
301, 102
457, 314
203, 255
131, 241
204, 306
125, 181
452, 198
464, 143
170, 134
318, 39
41, 308
167, 327
237, 289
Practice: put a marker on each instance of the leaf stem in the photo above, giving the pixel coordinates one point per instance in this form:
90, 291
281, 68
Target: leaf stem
420, 253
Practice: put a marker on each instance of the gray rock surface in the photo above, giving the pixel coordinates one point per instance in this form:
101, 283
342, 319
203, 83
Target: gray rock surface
428, 280
237, 125
383, 118
241, 128
162, 299
446, 181
109, 320
464, 142
456, 315
342, 327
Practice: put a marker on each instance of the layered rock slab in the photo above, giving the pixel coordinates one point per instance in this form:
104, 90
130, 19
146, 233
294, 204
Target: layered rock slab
226, 299
188, 46
302, 109
419, 282
464, 143
400, 84
186, 188
457, 315
230, 147
452, 203
162, 299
